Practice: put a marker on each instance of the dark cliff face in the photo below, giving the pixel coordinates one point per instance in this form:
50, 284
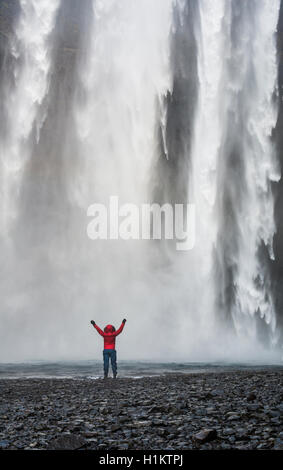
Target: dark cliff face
9, 10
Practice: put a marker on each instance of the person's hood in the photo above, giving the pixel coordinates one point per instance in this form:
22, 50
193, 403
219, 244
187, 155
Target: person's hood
109, 329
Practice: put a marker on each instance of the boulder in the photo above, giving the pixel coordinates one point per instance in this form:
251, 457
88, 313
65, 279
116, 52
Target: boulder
251, 396
67, 442
205, 435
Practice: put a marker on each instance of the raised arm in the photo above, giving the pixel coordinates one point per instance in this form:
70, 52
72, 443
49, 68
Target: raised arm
121, 327
97, 328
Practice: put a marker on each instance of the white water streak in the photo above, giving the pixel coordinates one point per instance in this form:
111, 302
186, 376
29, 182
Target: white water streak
220, 93
205, 152
29, 51
257, 215
126, 71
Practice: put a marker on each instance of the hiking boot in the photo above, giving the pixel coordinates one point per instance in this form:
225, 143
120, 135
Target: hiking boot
115, 375
105, 376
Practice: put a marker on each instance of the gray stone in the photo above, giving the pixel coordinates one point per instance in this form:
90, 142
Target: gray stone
115, 427
4, 444
253, 407
205, 435
251, 396
278, 444
67, 442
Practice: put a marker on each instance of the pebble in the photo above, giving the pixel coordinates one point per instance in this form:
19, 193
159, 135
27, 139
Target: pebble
205, 435
212, 410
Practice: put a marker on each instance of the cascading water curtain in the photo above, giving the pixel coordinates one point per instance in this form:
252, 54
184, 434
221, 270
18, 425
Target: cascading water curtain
166, 101
233, 156
24, 89
257, 106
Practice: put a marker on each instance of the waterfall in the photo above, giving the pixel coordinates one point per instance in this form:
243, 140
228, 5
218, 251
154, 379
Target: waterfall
167, 101
24, 90
128, 47
247, 163
205, 148
256, 62
233, 160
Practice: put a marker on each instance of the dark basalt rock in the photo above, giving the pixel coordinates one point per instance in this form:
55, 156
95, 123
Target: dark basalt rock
251, 396
67, 442
278, 444
205, 435
4, 444
147, 413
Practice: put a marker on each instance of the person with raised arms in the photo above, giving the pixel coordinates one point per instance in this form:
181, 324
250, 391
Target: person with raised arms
109, 352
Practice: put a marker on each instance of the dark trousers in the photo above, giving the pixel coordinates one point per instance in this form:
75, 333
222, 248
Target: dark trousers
110, 354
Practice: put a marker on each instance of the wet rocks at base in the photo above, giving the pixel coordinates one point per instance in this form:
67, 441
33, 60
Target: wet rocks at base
227, 410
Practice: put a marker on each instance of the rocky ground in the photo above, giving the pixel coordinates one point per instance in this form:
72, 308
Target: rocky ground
231, 410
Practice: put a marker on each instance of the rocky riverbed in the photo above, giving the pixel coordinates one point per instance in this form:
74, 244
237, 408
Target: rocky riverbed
227, 410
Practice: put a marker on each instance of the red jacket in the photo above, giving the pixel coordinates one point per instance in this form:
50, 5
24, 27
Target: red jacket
109, 334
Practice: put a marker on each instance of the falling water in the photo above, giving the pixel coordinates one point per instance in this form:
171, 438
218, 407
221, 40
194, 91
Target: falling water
115, 119
233, 158
248, 114
24, 91
257, 80
167, 101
